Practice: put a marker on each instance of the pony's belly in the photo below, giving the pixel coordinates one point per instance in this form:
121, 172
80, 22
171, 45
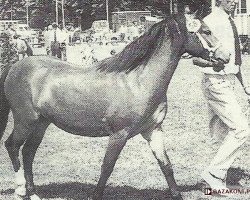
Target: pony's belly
85, 130
91, 123
91, 112
83, 127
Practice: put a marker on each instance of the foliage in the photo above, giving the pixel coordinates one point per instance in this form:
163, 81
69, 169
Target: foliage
42, 12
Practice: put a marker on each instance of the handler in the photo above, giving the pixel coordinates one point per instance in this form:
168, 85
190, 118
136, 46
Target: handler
218, 86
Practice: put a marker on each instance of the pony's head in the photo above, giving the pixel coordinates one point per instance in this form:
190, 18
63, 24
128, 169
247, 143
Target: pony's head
201, 42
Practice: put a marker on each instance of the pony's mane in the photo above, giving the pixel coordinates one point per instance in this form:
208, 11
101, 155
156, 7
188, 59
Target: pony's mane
139, 51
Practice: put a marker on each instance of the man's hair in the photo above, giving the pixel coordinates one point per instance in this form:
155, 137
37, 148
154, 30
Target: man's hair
60, 25
218, 2
54, 25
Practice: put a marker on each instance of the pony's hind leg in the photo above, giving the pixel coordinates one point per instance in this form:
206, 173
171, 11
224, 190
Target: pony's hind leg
4, 111
19, 135
156, 143
116, 143
29, 150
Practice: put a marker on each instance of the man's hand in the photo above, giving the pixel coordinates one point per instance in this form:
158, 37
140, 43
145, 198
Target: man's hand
217, 65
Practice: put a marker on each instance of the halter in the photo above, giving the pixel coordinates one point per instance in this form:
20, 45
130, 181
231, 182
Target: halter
206, 46
194, 25
205, 43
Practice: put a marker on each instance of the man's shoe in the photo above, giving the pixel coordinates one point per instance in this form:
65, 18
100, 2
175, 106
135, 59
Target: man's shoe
213, 181
218, 187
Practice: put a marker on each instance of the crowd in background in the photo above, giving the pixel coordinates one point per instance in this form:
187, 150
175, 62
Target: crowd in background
8, 50
93, 45
58, 39
12, 47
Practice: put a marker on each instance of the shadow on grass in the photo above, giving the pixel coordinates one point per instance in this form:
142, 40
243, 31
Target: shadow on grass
81, 191
234, 175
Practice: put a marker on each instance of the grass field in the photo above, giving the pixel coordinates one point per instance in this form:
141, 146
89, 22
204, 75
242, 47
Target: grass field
68, 167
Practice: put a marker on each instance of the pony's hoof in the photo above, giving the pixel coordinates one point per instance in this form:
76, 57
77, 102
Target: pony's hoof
19, 177
20, 191
95, 197
17, 197
177, 197
35, 197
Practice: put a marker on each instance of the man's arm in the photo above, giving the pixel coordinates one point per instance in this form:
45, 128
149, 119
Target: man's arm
217, 65
201, 62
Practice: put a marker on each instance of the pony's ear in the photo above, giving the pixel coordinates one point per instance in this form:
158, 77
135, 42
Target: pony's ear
192, 15
180, 19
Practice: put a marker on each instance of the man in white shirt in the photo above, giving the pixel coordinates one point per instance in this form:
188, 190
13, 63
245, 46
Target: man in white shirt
21, 46
133, 31
48, 39
58, 38
54, 43
63, 41
11, 31
218, 87
123, 30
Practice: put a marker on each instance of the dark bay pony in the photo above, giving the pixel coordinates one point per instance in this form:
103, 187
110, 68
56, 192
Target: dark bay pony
120, 97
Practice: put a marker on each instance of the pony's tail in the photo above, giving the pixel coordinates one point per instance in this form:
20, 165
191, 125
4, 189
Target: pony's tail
29, 49
4, 105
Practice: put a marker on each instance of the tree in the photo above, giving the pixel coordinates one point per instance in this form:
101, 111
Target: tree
11, 9
84, 12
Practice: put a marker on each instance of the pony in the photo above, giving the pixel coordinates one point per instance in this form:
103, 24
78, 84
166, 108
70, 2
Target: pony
119, 97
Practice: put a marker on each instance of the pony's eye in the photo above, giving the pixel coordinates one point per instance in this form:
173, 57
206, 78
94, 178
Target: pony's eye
207, 32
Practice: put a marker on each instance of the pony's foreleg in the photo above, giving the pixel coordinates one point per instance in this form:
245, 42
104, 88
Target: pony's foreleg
29, 150
23, 55
156, 143
116, 143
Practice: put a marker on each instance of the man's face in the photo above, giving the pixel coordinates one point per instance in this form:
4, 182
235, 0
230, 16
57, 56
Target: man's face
228, 5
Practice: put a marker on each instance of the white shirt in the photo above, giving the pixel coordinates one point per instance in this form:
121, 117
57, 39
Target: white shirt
21, 45
47, 38
61, 36
123, 29
133, 31
219, 24
12, 32
50, 36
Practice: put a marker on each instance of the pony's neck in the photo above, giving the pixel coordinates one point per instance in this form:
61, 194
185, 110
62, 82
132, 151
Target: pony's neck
159, 70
